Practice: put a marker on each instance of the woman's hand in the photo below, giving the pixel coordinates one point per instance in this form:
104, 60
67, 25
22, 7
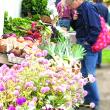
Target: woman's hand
75, 15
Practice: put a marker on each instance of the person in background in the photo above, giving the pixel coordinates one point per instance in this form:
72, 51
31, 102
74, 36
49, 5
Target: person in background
108, 6
87, 27
103, 11
57, 1
64, 15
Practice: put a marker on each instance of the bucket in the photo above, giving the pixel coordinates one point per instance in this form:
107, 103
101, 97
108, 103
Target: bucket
72, 36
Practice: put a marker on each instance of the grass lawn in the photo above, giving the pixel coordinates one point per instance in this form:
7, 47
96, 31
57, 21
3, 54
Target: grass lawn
106, 56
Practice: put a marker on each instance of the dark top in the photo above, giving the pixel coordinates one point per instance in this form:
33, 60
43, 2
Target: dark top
87, 26
103, 10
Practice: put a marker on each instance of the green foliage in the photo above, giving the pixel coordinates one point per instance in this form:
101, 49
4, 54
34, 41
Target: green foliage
106, 56
16, 25
64, 49
35, 7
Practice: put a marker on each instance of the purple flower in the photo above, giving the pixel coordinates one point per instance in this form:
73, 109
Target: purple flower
11, 107
44, 53
21, 100
45, 89
2, 88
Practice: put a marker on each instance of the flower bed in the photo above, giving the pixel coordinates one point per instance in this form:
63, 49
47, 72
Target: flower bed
39, 83
48, 78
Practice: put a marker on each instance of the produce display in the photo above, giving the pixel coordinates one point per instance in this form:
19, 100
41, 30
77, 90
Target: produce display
39, 83
46, 69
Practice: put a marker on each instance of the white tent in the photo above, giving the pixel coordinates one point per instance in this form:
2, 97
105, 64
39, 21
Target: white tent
1, 17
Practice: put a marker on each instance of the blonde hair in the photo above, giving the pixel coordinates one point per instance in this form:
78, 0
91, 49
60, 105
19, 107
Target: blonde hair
65, 2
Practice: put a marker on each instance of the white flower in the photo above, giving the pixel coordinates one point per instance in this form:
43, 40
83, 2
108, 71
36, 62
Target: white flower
92, 105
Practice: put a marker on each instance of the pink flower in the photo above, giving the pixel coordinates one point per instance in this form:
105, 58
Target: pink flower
20, 69
39, 54
61, 88
35, 99
78, 95
43, 61
4, 66
31, 105
12, 72
76, 77
6, 78
12, 55
85, 81
11, 107
81, 82
25, 64
29, 84
1, 106
44, 53
34, 88
85, 93
21, 100
92, 105
18, 87
16, 93
45, 89
91, 78
35, 48
75, 100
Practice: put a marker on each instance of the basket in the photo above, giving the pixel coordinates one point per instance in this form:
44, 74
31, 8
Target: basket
72, 37
46, 19
3, 48
14, 59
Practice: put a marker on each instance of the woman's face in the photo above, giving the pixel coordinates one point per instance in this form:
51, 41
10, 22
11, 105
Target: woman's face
74, 4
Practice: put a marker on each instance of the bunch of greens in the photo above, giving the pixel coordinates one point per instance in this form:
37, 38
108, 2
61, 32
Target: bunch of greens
35, 7
14, 25
64, 49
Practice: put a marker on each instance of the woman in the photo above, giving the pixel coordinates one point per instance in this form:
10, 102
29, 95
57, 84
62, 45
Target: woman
64, 15
87, 25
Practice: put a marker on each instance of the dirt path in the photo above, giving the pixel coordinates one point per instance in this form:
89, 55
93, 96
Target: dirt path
103, 78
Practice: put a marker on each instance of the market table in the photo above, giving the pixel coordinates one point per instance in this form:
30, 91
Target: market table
4, 60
